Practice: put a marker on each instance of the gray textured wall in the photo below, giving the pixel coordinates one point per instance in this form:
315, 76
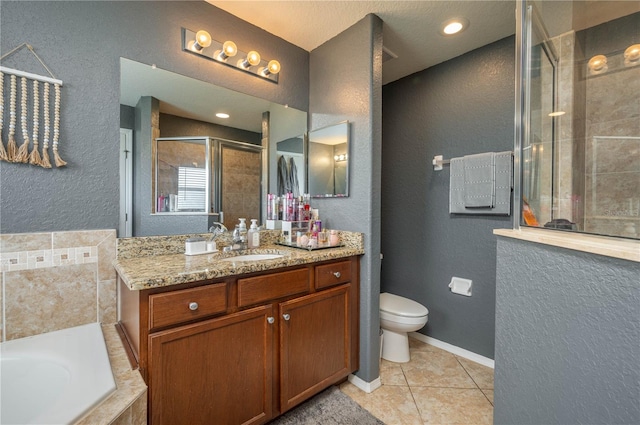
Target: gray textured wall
174, 126
352, 90
463, 106
82, 43
567, 337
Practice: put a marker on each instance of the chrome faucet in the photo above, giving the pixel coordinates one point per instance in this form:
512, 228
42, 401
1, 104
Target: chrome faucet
217, 229
239, 240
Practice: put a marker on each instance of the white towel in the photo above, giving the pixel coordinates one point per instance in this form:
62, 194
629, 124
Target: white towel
456, 187
479, 180
503, 184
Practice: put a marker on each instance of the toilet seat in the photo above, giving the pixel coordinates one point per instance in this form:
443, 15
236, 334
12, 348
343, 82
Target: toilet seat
394, 305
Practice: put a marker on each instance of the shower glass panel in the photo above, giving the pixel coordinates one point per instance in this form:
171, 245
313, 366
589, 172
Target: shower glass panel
578, 136
240, 172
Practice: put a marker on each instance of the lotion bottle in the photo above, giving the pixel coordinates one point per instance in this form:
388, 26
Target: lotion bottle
254, 234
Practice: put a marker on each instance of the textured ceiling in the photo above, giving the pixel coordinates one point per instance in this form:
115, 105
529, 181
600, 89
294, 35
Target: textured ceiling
411, 28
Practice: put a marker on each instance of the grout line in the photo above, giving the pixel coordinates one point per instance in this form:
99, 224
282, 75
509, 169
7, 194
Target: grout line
487, 397
467, 372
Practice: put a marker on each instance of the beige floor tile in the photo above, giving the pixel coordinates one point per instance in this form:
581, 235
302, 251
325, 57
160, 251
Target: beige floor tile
453, 406
393, 405
489, 394
391, 373
416, 345
482, 375
436, 369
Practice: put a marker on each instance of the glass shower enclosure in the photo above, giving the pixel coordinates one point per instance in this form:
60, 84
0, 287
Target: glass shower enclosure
203, 175
578, 117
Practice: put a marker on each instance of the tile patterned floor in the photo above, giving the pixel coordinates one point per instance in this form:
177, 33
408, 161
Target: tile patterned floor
435, 387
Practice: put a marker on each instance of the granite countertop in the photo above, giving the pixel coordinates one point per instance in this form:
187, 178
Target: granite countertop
156, 271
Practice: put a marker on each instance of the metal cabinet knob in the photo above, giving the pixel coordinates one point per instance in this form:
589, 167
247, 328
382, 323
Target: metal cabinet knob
270, 320
193, 306
286, 316
337, 274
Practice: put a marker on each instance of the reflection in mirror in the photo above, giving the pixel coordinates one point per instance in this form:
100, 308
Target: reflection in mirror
579, 147
328, 160
182, 175
156, 103
291, 166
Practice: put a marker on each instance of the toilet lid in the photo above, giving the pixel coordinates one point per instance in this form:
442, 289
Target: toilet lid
401, 306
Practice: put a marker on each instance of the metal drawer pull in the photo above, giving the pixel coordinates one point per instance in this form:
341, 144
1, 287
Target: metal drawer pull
193, 306
270, 320
337, 274
286, 316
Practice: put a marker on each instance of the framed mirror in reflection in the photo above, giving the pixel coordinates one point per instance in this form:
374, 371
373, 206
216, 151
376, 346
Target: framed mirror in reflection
328, 161
157, 103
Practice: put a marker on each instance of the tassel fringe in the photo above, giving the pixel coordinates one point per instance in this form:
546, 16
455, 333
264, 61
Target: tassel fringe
34, 158
23, 152
12, 149
59, 162
3, 152
45, 163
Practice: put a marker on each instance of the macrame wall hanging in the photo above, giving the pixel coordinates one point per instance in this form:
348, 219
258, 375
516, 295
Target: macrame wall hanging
13, 153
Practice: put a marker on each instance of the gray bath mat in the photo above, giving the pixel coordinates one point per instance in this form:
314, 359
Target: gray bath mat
330, 407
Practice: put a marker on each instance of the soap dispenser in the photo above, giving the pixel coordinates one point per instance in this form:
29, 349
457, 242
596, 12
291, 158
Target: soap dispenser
242, 227
254, 234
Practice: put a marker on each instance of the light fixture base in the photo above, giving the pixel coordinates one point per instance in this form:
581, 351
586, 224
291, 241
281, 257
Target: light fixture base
210, 52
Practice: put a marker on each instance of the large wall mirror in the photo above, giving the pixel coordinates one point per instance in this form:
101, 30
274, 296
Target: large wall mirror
328, 161
157, 103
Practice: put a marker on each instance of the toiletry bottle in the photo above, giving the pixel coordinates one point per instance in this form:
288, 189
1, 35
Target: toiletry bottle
242, 227
269, 206
160, 203
254, 234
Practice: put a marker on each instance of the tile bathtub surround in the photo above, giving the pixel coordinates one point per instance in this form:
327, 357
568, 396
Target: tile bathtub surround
52, 281
435, 387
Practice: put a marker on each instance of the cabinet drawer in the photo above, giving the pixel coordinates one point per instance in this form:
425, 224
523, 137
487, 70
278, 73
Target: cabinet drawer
181, 306
333, 274
259, 289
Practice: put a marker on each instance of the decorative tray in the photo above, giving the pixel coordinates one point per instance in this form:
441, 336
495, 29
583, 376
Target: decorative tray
309, 248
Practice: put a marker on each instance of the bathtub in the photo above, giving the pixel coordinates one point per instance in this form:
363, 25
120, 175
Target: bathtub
54, 378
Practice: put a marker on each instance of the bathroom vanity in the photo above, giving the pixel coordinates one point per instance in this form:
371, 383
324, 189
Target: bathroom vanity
219, 341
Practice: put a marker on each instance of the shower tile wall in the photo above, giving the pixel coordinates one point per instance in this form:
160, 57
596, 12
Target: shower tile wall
52, 281
598, 145
612, 174
240, 186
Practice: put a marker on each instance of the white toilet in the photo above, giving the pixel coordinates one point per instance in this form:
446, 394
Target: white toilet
399, 315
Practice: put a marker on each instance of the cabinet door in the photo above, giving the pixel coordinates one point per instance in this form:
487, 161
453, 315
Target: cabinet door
314, 344
218, 371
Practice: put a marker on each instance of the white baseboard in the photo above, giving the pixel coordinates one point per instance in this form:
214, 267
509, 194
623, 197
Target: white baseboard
485, 361
367, 387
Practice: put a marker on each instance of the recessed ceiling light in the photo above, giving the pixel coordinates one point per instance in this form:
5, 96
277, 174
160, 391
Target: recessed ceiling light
454, 26
222, 115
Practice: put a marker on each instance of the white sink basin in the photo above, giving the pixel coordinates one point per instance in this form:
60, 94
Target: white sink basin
253, 257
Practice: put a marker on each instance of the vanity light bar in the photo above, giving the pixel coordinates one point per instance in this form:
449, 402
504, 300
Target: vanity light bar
227, 53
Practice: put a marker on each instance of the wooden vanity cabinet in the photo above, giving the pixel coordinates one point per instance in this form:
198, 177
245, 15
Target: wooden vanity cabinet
255, 346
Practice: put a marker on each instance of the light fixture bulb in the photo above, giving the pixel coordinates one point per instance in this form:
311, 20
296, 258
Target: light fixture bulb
454, 26
274, 66
229, 49
202, 40
252, 59
598, 63
632, 53
222, 115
